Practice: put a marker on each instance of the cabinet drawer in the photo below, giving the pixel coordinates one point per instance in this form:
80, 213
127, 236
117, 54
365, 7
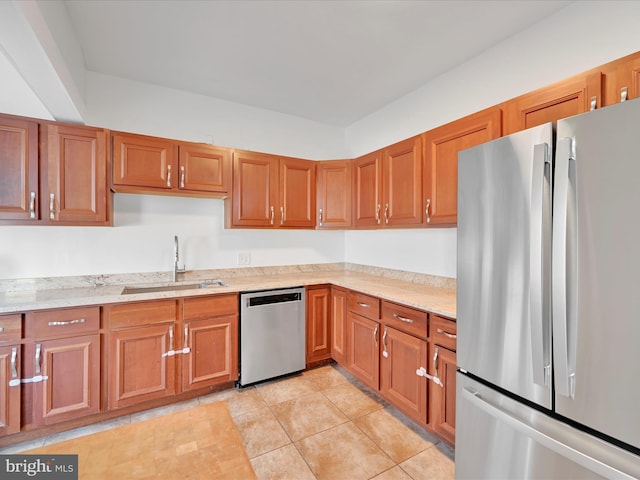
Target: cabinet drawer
404, 318
364, 305
10, 327
206, 307
128, 315
443, 332
63, 322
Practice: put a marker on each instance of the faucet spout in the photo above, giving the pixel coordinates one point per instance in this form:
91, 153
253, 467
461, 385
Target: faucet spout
176, 267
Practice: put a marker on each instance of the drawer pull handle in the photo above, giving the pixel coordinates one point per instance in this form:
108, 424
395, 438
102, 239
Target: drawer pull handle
364, 305
446, 334
402, 319
14, 356
68, 322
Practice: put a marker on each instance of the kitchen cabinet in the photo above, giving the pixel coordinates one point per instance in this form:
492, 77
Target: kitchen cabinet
52, 173
441, 147
334, 179
403, 353
318, 325
388, 186
442, 416
339, 325
10, 373
272, 192
143, 164
65, 371
562, 99
622, 79
363, 335
142, 363
210, 341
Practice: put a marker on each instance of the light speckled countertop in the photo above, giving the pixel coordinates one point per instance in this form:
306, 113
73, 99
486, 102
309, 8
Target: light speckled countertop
425, 292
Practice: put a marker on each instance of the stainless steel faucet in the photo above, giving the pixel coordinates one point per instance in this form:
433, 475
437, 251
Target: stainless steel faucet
176, 268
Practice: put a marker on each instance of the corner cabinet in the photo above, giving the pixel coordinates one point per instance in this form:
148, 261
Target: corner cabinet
318, 329
440, 173
334, 179
271, 192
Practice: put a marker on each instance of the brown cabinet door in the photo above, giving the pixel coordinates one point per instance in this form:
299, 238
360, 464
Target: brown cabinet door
367, 192
334, 179
402, 355
363, 351
402, 184
140, 161
318, 324
442, 411
210, 352
255, 189
441, 147
627, 83
140, 367
204, 168
77, 175
70, 387
339, 325
560, 100
10, 390
297, 193
18, 169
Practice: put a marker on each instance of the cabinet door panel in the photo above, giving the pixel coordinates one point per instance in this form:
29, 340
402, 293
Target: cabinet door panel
71, 387
334, 194
140, 368
204, 168
77, 174
399, 383
10, 392
403, 183
297, 193
318, 324
18, 169
339, 325
213, 355
144, 162
443, 405
255, 185
364, 359
367, 195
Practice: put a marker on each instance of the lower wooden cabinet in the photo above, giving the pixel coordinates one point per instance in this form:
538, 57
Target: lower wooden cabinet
339, 325
10, 391
318, 324
402, 355
363, 349
443, 398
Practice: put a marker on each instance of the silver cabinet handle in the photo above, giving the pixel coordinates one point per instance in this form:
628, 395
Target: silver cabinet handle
181, 176
32, 205
171, 338
375, 334
624, 92
68, 322
271, 210
364, 305
378, 214
384, 343
14, 356
402, 319
281, 215
320, 218
169, 176
446, 334
435, 362
185, 343
386, 213
1, 329
52, 202
594, 103
426, 210
37, 358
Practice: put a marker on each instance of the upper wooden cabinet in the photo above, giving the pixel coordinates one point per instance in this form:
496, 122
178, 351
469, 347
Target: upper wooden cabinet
561, 100
388, 186
53, 173
144, 164
440, 175
271, 191
621, 79
334, 179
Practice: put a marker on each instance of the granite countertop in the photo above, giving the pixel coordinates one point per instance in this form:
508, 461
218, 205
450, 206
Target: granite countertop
425, 292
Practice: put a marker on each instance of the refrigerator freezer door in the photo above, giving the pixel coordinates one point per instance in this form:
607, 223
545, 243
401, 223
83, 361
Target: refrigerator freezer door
499, 438
596, 271
504, 259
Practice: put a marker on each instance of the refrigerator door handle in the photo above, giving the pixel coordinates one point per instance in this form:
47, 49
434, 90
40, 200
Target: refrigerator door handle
548, 441
563, 266
539, 264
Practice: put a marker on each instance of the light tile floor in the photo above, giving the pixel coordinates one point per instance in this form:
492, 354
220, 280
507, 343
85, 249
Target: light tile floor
321, 424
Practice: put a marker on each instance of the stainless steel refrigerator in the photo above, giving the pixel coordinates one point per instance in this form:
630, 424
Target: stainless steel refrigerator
548, 301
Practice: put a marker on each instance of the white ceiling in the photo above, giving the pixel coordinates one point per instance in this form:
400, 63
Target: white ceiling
334, 62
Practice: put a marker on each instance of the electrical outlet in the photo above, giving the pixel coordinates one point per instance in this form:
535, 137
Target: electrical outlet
244, 258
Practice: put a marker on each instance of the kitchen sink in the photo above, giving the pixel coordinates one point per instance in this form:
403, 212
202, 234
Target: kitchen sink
127, 290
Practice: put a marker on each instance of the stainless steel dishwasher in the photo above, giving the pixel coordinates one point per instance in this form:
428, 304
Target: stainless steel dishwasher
272, 334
